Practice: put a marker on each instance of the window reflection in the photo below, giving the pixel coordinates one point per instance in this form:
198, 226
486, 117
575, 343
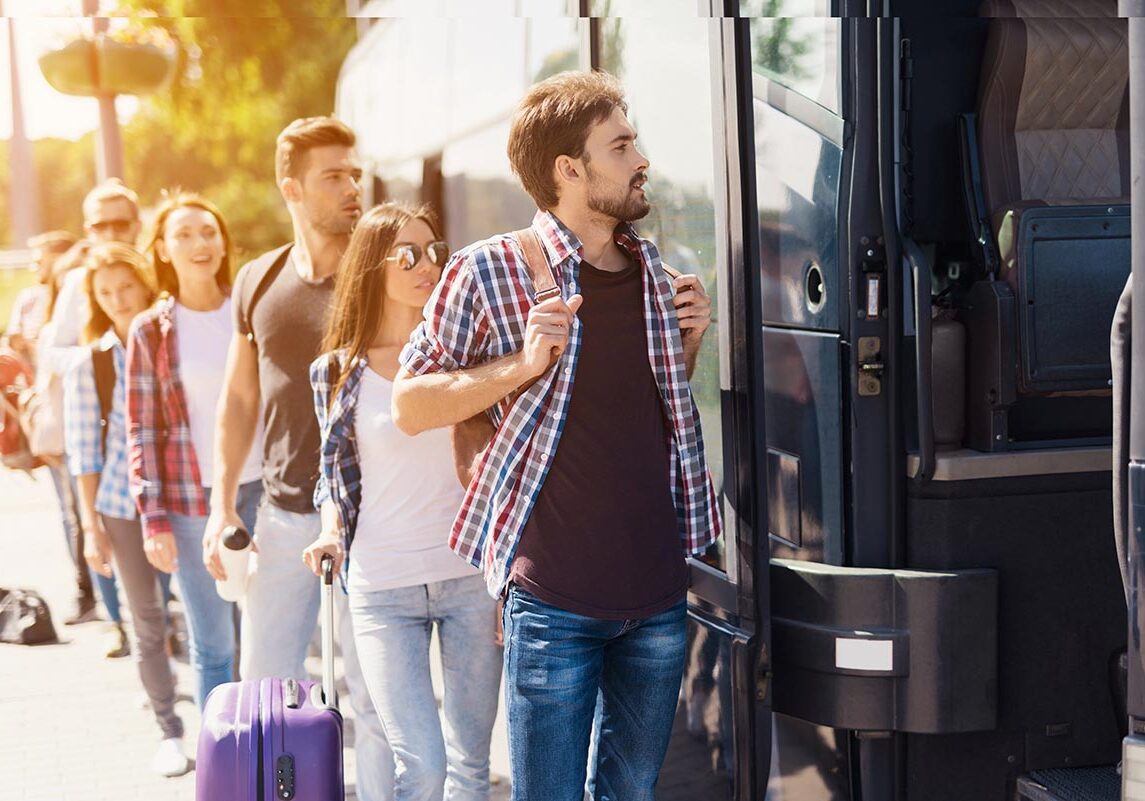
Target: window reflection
402, 181
482, 197
785, 8
644, 8
801, 53
675, 133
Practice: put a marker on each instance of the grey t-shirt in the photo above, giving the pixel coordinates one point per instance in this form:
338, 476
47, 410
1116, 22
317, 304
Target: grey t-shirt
288, 322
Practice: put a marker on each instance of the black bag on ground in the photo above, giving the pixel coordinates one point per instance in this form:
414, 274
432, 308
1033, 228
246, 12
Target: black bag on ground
25, 618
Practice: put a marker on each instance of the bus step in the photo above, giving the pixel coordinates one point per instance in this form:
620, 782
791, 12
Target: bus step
1071, 784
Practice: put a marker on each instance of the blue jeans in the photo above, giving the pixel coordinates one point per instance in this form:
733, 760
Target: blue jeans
556, 664
67, 495
392, 631
210, 619
279, 615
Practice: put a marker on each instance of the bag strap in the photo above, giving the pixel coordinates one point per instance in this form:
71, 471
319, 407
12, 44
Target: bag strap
544, 283
103, 366
274, 260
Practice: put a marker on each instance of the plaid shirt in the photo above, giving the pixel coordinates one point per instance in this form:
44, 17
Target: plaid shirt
478, 313
82, 432
339, 474
164, 471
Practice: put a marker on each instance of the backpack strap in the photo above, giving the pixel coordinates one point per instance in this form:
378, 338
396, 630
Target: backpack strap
103, 366
263, 272
544, 284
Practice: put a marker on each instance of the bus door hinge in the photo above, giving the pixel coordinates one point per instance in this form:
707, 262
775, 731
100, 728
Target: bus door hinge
870, 366
762, 674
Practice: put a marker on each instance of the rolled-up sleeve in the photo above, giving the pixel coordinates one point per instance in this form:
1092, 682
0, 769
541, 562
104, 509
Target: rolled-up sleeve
454, 332
81, 420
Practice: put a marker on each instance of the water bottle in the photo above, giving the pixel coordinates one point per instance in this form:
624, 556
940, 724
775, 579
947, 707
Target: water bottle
234, 553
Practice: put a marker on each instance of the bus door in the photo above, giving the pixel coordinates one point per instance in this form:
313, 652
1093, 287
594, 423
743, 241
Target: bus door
678, 68
863, 650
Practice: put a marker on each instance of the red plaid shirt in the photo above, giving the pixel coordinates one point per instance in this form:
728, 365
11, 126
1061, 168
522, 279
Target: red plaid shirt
163, 471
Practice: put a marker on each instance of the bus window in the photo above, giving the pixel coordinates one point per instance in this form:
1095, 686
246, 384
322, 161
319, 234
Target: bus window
801, 53
402, 180
675, 133
553, 46
659, 9
785, 8
481, 194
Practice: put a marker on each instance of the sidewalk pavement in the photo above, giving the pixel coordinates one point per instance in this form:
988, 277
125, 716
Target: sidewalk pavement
72, 727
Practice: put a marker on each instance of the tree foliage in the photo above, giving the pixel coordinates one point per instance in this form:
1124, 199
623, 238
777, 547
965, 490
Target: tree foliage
245, 71
241, 80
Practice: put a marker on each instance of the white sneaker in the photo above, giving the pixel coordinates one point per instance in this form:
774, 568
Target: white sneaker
169, 758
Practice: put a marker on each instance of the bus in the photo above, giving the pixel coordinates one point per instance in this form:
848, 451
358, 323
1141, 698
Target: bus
913, 219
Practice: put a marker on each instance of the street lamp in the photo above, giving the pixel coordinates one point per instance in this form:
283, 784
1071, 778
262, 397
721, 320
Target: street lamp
104, 66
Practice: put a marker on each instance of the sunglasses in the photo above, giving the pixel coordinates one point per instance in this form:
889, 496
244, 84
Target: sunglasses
118, 226
407, 256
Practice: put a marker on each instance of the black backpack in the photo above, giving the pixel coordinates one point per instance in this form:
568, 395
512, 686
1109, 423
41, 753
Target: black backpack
25, 618
263, 271
103, 366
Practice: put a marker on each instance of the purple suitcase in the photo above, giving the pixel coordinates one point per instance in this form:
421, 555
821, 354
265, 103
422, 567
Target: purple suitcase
274, 739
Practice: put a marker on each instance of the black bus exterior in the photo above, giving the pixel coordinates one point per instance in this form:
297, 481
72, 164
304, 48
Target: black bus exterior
913, 218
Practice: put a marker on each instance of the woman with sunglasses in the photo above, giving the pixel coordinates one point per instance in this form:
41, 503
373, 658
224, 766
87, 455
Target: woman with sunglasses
388, 502
175, 359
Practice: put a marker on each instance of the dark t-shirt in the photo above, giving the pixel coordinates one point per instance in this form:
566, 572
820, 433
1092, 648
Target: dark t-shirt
288, 321
603, 539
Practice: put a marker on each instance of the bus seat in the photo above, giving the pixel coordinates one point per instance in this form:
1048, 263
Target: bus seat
1053, 153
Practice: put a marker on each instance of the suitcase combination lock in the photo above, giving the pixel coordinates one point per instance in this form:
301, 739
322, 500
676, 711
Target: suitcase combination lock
284, 777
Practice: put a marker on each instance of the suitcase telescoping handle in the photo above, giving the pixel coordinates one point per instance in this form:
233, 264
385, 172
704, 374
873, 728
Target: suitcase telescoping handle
328, 693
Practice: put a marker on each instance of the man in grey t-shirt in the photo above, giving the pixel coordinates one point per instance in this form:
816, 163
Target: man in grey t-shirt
281, 300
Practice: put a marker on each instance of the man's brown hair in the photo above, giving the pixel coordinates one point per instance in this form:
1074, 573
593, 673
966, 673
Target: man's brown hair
302, 136
553, 120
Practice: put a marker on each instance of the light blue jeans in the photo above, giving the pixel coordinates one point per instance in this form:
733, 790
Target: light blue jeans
279, 616
66, 495
561, 670
210, 619
392, 629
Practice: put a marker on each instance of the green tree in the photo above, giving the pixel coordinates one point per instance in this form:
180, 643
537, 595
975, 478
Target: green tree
242, 76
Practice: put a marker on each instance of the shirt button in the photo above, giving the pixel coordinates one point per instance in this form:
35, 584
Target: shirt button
568, 371
544, 456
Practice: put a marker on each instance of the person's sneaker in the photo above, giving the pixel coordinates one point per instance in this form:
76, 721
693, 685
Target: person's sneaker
117, 646
169, 759
85, 613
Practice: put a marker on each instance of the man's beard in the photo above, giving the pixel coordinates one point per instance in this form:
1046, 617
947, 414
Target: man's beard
621, 205
333, 223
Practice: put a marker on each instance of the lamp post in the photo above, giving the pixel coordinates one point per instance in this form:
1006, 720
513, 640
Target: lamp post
109, 153
24, 193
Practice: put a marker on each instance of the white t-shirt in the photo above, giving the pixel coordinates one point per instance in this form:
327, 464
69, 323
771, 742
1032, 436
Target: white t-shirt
410, 496
202, 339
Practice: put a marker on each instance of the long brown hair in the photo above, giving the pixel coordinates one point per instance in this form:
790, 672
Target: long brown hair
164, 270
358, 288
111, 254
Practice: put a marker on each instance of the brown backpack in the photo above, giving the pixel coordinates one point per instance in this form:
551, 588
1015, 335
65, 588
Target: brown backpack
471, 437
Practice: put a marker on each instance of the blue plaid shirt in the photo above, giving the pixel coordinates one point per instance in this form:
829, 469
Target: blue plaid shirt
82, 432
339, 475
